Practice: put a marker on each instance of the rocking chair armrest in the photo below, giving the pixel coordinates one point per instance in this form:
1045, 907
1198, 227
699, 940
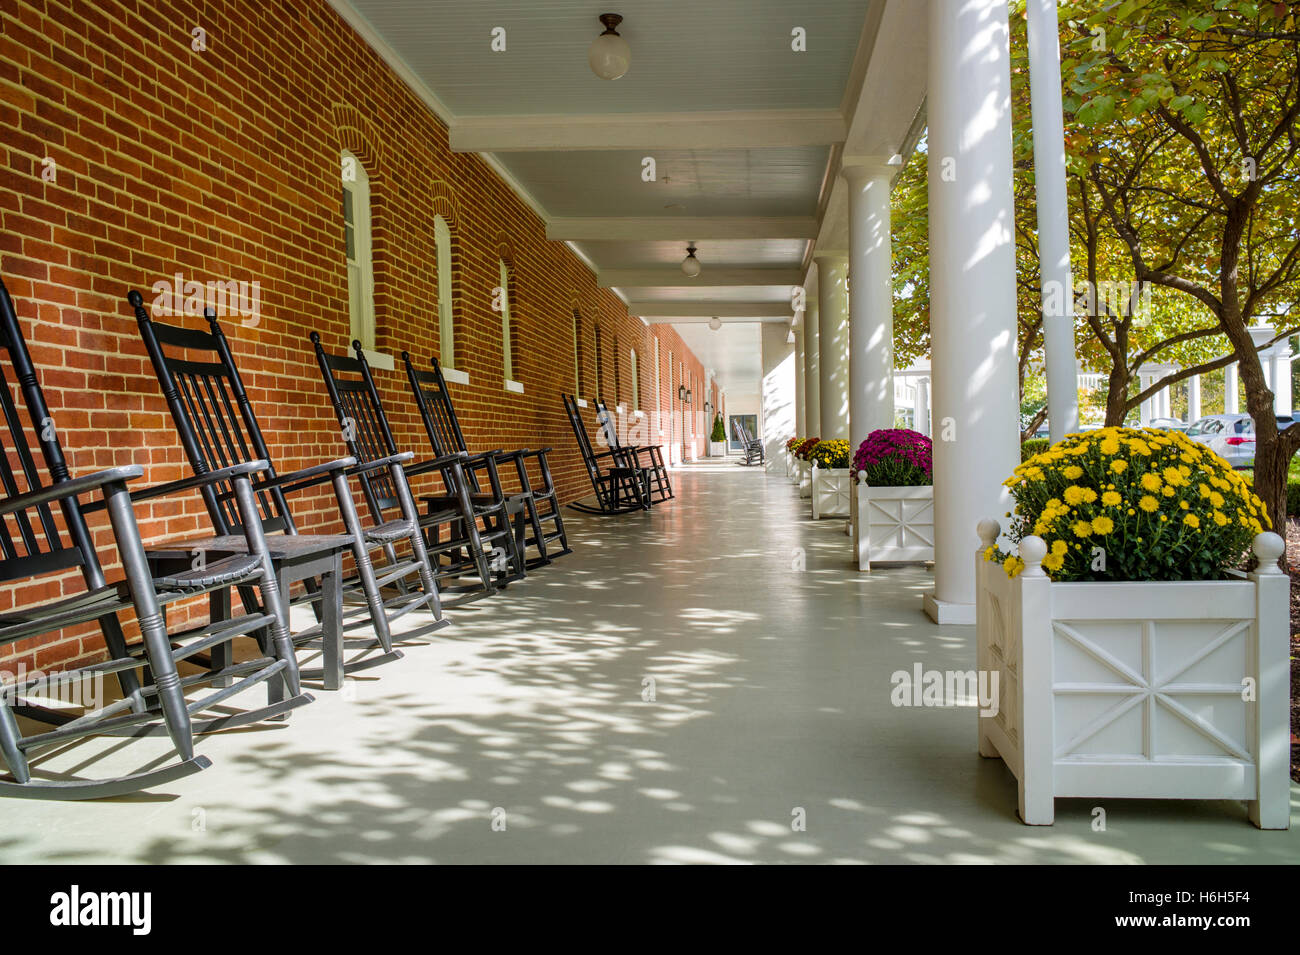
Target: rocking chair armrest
482, 458
71, 488
307, 477
435, 464
401, 457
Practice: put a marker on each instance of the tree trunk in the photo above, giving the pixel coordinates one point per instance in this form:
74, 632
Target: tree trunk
1117, 405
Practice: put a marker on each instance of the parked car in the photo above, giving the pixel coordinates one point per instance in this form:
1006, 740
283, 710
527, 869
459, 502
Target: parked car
1168, 424
1230, 436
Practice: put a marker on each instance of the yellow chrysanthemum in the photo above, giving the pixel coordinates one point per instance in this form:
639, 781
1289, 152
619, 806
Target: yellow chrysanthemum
1059, 547
1073, 472
1149, 504
1053, 562
1191, 520
1102, 525
1082, 529
1150, 482
1119, 466
1073, 494
1111, 499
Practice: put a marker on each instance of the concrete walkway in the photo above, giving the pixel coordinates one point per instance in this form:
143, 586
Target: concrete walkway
771, 703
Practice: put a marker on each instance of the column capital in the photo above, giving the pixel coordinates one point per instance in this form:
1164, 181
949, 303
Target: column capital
831, 257
859, 169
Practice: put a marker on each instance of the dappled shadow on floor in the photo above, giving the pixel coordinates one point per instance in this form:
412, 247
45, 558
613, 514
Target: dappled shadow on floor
708, 682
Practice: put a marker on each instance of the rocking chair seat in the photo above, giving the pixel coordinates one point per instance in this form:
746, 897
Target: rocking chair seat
228, 570
389, 532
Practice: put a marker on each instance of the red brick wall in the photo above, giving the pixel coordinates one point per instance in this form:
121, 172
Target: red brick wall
224, 164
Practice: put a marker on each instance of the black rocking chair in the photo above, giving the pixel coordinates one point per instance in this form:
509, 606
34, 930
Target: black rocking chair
751, 447
535, 506
217, 427
488, 554
648, 456
620, 485
46, 544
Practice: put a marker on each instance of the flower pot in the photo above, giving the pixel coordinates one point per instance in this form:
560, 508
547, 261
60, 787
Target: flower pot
1161, 690
803, 475
892, 524
717, 449
830, 492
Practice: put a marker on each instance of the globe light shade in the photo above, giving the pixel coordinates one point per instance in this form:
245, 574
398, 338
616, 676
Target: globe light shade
609, 54
691, 266
715, 323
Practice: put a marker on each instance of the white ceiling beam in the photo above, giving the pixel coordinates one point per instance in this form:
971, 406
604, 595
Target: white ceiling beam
679, 228
706, 310
708, 278
729, 129
703, 320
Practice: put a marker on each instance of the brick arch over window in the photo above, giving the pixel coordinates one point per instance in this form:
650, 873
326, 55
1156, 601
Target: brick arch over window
580, 316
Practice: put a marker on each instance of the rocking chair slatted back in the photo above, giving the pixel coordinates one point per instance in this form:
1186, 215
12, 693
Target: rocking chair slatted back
213, 416
607, 424
438, 415
580, 432
361, 418
44, 550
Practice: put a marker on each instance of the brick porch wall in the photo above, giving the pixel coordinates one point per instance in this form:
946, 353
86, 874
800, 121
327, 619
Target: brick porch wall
130, 157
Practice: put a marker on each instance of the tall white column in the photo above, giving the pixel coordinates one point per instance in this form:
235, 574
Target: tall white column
800, 399
972, 288
1193, 398
922, 414
1053, 210
871, 302
833, 343
1282, 378
811, 349
1230, 389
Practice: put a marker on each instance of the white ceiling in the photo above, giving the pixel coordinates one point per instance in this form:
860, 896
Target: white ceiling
746, 134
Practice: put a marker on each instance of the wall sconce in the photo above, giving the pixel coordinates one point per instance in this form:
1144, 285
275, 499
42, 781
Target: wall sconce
681, 392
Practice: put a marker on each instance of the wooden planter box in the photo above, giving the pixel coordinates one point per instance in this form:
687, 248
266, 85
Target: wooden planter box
892, 525
803, 477
1136, 690
830, 492
717, 449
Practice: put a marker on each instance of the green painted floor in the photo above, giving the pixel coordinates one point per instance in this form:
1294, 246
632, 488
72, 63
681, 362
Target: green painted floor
522, 732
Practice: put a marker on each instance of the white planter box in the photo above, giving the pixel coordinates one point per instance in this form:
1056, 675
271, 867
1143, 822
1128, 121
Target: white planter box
1135, 690
892, 524
717, 449
830, 492
803, 477
794, 469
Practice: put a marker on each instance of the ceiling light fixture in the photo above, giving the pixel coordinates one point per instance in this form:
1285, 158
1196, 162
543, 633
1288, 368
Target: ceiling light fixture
715, 323
690, 264
609, 54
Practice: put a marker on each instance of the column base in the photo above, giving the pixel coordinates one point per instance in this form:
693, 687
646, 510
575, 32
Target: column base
947, 611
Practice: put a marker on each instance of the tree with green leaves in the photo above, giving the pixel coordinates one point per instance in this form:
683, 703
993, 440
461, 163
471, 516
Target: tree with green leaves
1185, 126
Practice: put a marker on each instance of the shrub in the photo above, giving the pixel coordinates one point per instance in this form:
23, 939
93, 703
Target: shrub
831, 453
1293, 497
719, 432
1130, 504
895, 457
1032, 446
804, 448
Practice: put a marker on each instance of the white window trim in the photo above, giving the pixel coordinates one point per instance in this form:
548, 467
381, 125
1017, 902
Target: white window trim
514, 386
455, 375
582, 402
379, 359
361, 325
446, 316
507, 359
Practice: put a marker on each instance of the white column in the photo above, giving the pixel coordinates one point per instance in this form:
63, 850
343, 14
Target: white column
833, 343
1282, 378
1165, 410
871, 302
800, 399
1230, 389
972, 288
1193, 398
1053, 218
811, 349
922, 414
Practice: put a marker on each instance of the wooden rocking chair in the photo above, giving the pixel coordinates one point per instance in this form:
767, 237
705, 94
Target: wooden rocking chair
751, 447
649, 456
620, 486
217, 427
153, 687
535, 505
489, 553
